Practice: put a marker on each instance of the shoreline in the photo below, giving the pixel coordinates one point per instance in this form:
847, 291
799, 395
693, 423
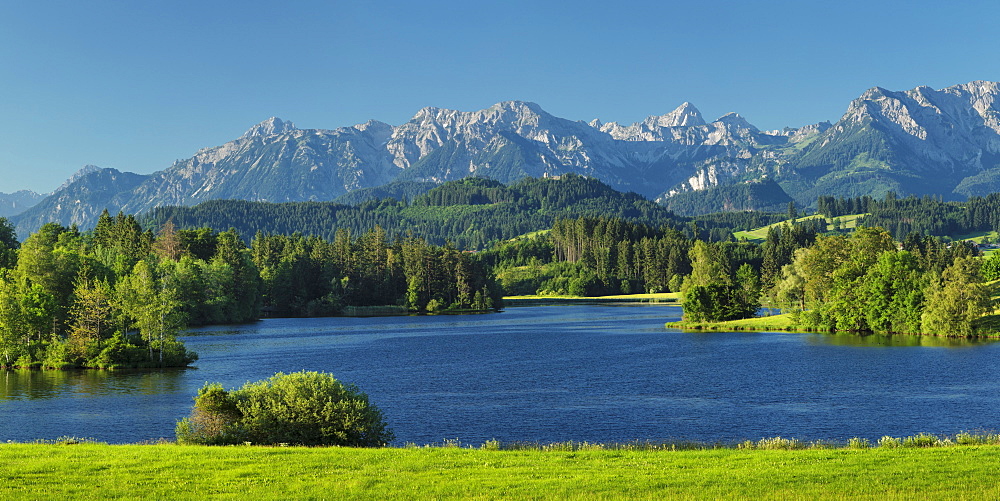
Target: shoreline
658, 298
783, 323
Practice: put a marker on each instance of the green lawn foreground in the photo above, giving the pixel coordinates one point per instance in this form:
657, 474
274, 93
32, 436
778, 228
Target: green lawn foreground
91, 471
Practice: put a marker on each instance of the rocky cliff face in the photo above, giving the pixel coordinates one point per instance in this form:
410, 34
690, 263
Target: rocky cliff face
919, 141
274, 164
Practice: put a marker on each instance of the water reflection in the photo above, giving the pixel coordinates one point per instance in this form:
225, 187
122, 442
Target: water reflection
26, 384
897, 340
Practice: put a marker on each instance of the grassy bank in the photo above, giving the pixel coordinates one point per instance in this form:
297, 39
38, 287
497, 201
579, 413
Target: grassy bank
90, 471
783, 322
987, 326
374, 311
662, 297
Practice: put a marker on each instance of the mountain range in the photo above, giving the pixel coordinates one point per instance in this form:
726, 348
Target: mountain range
922, 141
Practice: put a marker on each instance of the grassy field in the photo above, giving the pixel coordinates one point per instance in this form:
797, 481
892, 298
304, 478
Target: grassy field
978, 236
658, 297
772, 323
91, 471
848, 222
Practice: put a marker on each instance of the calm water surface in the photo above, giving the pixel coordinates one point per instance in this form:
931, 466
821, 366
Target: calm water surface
599, 373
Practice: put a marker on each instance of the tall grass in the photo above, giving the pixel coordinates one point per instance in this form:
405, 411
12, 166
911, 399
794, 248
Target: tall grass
920, 440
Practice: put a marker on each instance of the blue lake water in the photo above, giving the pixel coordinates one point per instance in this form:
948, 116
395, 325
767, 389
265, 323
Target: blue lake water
598, 373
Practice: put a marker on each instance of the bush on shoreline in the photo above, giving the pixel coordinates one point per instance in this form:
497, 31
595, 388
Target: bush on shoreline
302, 408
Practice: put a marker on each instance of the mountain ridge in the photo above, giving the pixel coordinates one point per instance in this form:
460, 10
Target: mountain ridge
921, 141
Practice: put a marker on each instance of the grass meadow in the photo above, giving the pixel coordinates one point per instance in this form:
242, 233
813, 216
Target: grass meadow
759, 235
168, 471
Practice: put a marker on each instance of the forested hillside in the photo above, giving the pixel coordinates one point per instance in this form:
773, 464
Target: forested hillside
470, 213
599, 256
922, 216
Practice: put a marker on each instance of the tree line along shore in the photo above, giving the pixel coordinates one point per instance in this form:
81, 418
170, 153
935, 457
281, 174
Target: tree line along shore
118, 296
864, 282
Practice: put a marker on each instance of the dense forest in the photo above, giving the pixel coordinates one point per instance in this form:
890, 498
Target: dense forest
923, 216
67, 299
471, 213
863, 282
117, 296
601, 256
866, 283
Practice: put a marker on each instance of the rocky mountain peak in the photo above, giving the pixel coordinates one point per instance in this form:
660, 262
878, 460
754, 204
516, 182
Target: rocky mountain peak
506, 111
515, 113
922, 140
518, 107
269, 127
737, 121
978, 87
86, 169
683, 116
983, 95
426, 113
373, 125
874, 93
927, 114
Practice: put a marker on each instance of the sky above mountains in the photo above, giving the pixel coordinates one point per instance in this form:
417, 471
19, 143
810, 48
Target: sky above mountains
136, 85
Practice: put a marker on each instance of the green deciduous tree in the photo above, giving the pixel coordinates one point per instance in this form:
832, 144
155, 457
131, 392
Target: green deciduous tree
956, 299
8, 244
892, 294
711, 294
709, 265
14, 333
92, 320
991, 267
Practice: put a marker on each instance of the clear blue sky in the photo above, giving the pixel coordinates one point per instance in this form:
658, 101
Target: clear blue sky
135, 85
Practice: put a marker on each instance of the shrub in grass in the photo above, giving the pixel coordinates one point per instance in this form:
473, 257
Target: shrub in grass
858, 443
302, 408
824, 444
67, 440
921, 440
888, 442
774, 443
966, 438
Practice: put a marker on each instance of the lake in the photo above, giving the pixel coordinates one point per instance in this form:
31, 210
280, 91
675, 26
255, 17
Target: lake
584, 372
